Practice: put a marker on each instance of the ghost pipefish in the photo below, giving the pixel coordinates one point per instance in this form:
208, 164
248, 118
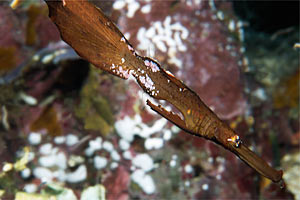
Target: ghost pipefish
95, 38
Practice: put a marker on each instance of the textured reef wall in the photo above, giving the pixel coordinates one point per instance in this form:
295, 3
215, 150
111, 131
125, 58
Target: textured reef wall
89, 133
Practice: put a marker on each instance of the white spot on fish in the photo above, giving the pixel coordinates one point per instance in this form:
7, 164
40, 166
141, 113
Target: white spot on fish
152, 65
123, 39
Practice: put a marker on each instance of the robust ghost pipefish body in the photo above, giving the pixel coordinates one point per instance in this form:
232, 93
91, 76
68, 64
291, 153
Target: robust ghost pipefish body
95, 38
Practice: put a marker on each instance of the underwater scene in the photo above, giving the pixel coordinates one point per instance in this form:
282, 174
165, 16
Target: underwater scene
152, 99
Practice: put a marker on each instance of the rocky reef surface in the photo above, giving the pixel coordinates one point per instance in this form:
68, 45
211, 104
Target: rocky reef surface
72, 131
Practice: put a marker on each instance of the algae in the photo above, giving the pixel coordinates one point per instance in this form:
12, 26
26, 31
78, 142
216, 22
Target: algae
47, 120
7, 59
33, 13
93, 108
287, 93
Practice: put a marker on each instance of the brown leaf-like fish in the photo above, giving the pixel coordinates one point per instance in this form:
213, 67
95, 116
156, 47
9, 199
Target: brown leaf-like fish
96, 39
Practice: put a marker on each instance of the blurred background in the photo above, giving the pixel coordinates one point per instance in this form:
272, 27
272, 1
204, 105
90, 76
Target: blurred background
70, 131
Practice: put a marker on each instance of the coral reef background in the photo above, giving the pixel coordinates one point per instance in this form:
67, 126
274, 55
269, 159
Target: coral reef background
71, 131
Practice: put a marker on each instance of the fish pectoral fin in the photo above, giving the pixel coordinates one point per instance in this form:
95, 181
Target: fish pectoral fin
174, 118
